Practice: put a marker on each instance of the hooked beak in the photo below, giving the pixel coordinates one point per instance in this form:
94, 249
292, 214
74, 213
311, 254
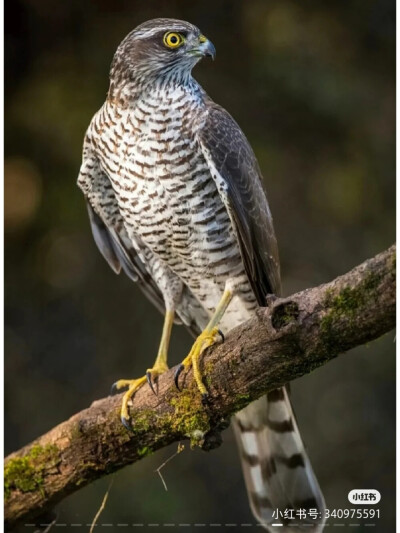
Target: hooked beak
206, 47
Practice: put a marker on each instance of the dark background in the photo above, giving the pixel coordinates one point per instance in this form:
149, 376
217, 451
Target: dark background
312, 84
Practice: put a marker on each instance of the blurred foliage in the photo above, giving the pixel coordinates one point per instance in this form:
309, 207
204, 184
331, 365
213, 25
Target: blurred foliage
312, 84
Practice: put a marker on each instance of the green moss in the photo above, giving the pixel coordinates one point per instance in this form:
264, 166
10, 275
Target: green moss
343, 307
143, 452
186, 416
27, 473
189, 417
142, 420
208, 369
241, 401
19, 474
347, 301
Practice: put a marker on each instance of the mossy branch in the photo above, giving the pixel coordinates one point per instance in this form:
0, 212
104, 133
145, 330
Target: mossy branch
287, 339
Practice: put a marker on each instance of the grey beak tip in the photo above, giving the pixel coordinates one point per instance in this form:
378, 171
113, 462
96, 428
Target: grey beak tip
210, 50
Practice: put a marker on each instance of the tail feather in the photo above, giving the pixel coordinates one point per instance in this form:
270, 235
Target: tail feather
277, 471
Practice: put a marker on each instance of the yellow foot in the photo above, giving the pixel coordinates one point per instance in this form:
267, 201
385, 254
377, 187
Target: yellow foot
204, 340
133, 385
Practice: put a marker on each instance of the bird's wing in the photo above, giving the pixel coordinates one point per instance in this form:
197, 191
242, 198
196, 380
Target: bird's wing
238, 178
109, 231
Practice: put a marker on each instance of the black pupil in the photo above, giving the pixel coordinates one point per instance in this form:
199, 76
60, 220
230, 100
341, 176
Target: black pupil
174, 39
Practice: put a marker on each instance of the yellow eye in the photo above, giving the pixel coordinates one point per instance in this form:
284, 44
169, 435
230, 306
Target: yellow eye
173, 40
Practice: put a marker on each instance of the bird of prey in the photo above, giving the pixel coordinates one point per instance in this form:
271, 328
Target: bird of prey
176, 201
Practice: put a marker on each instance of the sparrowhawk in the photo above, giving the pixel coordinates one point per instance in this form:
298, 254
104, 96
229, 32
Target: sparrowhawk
175, 200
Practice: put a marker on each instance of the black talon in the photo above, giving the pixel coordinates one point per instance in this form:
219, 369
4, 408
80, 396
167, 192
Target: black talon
150, 382
205, 400
221, 335
115, 390
126, 423
178, 372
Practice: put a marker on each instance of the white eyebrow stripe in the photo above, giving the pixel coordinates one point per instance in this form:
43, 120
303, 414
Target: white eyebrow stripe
149, 33
153, 31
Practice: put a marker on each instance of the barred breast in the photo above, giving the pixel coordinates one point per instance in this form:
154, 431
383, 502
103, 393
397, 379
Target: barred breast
165, 191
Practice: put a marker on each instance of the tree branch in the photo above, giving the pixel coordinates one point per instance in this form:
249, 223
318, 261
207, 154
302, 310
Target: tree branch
289, 338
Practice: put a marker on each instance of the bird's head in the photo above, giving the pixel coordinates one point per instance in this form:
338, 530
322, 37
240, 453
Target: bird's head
160, 48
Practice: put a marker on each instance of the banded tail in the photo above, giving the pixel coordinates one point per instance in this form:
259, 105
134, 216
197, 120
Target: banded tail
276, 468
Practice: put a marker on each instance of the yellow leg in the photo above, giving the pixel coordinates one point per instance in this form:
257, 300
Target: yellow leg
203, 341
159, 367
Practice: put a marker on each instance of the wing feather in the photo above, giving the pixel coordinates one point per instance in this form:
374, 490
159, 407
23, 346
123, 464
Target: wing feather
238, 178
103, 239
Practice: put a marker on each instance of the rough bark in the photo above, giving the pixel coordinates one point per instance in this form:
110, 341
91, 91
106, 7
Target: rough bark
285, 340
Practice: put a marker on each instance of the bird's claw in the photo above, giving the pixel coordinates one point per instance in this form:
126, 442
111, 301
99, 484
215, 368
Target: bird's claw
178, 372
115, 389
221, 335
126, 423
150, 382
205, 399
